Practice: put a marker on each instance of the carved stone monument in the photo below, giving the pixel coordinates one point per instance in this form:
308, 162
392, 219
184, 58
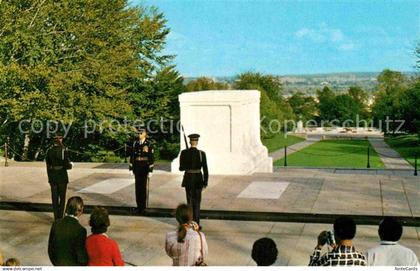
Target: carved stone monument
229, 124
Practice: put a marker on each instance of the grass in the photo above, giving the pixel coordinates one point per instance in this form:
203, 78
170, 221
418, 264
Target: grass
334, 153
405, 145
279, 141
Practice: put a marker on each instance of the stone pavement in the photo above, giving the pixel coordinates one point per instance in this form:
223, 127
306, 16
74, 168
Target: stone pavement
307, 191
279, 154
141, 240
389, 157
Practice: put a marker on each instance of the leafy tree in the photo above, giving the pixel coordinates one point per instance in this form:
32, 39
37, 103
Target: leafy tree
205, 83
326, 100
272, 106
74, 60
388, 98
304, 107
410, 107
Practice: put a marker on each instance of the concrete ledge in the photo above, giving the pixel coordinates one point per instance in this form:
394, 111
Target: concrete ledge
221, 214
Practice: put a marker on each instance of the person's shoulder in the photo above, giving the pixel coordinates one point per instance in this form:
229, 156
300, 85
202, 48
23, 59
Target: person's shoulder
172, 236
113, 243
405, 249
374, 250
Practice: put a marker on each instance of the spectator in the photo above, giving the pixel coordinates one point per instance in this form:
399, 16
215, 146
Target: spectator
389, 252
12, 262
264, 252
343, 252
186, 246
102, 250
1, 259
66, 245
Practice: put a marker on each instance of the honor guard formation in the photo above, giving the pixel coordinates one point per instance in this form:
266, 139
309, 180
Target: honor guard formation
186, 245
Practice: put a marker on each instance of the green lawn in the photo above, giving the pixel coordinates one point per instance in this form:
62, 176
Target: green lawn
334, 153
279, 141
405, 145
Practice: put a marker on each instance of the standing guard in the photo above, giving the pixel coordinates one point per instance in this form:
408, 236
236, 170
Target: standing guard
141, 163
58, 163
191, 161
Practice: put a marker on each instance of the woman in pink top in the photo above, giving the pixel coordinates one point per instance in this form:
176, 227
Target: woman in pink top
102, 250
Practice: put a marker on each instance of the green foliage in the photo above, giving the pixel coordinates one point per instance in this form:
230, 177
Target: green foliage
75, 60
205, 83
272, 106
326, 99
304, 107
393, 100
346, 108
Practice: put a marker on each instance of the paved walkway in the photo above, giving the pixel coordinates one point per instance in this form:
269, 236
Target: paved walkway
389, 157
279, 154
306, 191
141, 240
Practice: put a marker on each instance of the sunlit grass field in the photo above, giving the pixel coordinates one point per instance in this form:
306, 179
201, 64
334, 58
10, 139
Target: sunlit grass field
343, 153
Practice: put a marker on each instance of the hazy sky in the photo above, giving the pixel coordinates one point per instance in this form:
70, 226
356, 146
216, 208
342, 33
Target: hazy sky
222, 38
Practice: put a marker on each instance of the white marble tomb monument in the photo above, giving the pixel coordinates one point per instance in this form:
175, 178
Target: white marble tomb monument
228, 122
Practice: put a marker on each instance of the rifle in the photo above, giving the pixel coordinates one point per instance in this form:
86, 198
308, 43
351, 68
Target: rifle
185, 138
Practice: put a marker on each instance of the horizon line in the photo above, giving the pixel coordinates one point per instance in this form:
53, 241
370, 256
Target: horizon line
298, 74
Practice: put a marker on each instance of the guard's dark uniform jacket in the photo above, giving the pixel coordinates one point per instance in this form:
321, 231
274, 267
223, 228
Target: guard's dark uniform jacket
57, 164
194, 162
141, 162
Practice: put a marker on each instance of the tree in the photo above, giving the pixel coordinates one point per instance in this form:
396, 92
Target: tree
388, 99
205, 83
410, 102
273, 107
326, 100
76, 60
304, 107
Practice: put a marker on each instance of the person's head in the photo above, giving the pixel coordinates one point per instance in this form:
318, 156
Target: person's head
58, 139
344, 228
390, 229
12, 262
142, 133
184, 216
99, 220
264, 252
74, 206
194, 139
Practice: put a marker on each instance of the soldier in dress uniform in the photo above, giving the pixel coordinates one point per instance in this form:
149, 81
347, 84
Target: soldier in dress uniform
193, 161
141, 163
58, 163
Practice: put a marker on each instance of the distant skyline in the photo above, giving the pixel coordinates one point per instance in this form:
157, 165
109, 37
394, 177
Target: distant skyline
224, 38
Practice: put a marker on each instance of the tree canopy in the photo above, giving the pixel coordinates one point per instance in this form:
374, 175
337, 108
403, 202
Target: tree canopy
75, 60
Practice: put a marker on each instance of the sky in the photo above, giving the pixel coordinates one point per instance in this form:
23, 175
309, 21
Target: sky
228, 37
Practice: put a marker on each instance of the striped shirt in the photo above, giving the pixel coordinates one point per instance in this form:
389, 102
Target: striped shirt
188, 252
340, 256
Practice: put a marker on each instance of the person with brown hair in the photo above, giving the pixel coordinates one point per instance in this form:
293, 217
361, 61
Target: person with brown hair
102, 250
186, 246
12, 262
66, 244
